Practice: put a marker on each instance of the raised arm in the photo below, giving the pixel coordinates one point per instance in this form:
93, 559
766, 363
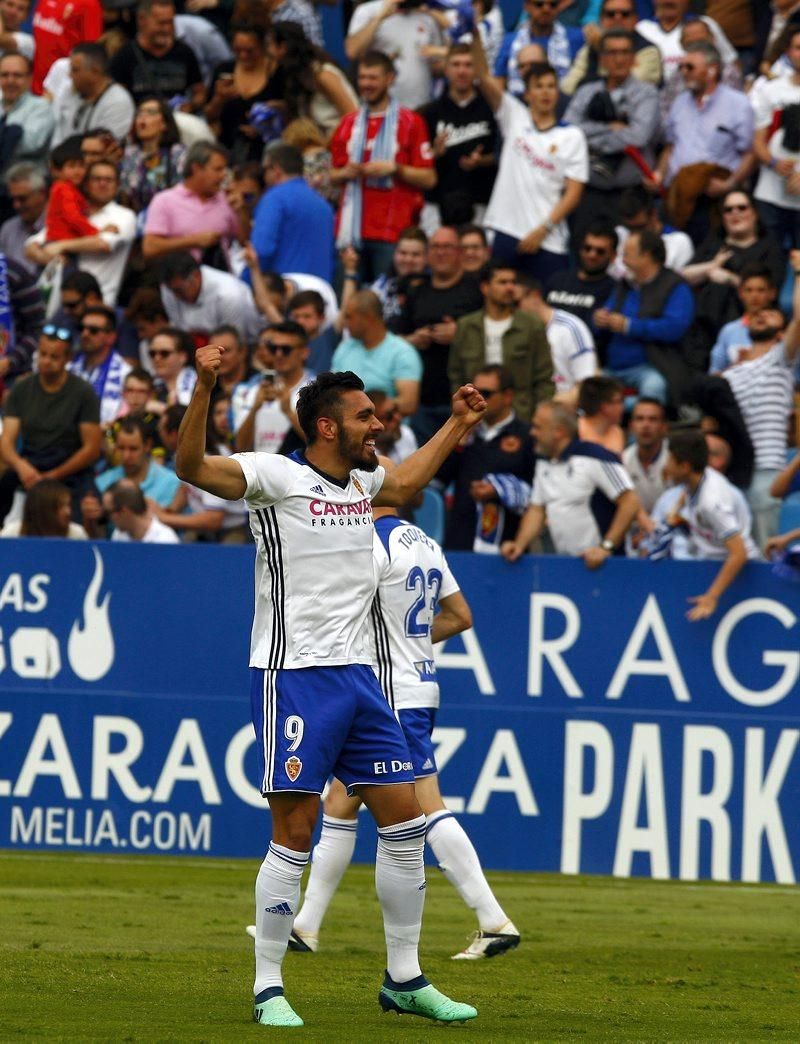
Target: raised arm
487, 84
417, 470
221, 476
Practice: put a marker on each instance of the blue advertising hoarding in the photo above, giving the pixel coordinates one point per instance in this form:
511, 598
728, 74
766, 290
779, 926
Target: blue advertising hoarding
586, 725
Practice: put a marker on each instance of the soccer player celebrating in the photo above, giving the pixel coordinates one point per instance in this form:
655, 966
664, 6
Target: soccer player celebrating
317, 706
413, 577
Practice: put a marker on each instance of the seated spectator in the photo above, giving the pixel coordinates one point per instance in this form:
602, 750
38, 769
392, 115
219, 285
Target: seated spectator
543, 169
409, 262
756, 291
647, 316
197, 298
432, 309
715, 269
560, 43
293, 226
581, 492
25, 321
614, 14
400, 31
315, 87
307, 308
47, 512
171, 354
249, 79
27, 121
51, 427
79, 291
235, 372
57, 26
194, 215
26, 186
153, 161
138, 389
397, 441
95, 100
134, 521
708, 124
491, 472
156, 63
569, 338
462, 129
381, 359
776, 145
98, 361
67, 206
601, 404
134, 448
264, 414
168, 427
587, 287
475, 250
145, 312
502, 334
105, 254
710, 510
381, 157
616, 112
637, 212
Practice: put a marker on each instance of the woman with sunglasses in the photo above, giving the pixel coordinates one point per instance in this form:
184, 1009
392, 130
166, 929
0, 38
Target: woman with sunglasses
171, 353
154, 159
714, 271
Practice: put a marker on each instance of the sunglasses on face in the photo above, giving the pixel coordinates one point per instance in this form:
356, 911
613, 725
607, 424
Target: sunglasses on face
617, 13
280, 349
553, 4
738, 208
487, 392
160, 353
60, 333
86, 328
593, 250
70, 306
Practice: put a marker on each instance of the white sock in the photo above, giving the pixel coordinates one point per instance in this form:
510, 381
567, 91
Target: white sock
459, 863
277, 899
330, 859
400, 884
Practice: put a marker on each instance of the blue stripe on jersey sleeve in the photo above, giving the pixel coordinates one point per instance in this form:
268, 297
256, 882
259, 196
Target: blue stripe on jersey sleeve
384, 527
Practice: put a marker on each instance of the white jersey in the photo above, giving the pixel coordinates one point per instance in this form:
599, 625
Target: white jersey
715, 512
572, 350
313, 576
412, 574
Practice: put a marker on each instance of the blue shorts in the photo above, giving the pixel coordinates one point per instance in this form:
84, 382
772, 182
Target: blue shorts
417, 725
317, 721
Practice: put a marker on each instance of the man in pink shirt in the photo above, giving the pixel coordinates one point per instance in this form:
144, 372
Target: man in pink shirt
194, 215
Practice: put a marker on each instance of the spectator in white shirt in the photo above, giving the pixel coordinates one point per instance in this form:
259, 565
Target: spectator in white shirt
133, 519
198, 298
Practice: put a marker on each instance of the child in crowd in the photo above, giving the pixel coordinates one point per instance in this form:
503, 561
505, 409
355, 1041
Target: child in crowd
67, 209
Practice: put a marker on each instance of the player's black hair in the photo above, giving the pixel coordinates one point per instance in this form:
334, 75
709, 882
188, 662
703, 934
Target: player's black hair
689, 447
322, 397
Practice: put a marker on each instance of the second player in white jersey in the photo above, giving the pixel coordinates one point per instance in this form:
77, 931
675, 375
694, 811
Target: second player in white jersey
411, 574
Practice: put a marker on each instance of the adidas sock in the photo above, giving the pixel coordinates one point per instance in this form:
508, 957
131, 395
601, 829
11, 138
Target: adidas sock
459, 863
400, 884
330, 859
277, 898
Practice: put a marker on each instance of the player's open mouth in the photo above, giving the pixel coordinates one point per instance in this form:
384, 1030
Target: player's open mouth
369, 444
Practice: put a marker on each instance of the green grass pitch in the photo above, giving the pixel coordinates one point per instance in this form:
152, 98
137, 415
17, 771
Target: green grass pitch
150, 949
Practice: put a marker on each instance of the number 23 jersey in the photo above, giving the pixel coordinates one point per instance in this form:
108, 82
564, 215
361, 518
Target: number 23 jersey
412, 575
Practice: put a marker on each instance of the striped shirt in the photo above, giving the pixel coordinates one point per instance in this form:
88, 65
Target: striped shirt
578, 491
314, 575
764, 389
572, 349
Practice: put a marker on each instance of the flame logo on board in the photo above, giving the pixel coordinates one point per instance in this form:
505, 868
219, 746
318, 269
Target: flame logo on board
91, 642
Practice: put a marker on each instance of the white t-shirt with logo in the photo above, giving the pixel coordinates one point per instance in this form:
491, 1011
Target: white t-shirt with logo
493, 330
767, 97
412, 574
571, 348
533, 167
314, 576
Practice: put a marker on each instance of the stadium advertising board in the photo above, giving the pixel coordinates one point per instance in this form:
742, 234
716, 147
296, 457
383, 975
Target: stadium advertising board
586, 725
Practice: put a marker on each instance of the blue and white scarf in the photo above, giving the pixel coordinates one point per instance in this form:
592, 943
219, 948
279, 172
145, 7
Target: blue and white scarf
513, 494
559, 55
107, 380
384, 147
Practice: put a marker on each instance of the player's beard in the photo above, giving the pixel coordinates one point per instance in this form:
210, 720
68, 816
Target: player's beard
356, 453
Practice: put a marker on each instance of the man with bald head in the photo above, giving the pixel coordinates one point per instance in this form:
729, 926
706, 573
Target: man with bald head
381, 359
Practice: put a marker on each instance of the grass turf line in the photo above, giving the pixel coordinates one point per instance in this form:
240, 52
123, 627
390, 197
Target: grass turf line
150, 949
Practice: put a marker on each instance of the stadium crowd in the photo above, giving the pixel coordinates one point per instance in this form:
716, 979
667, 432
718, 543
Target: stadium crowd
589, 209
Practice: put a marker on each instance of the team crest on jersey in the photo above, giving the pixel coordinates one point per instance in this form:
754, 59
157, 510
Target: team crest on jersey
511, 444
359, 487
293, 766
